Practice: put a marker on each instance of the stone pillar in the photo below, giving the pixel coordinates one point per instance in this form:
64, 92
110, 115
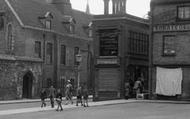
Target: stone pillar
106, 6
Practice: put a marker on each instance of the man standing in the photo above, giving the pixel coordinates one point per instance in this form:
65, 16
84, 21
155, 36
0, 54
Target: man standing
52, 95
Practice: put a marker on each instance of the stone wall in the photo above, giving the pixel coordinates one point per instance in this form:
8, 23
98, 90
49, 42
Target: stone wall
11, 78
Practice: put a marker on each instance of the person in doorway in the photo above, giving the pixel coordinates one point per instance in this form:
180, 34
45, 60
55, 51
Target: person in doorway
137, 87
85, 96
79, 95
142, 79
59, 100
68, 92
43, 96
52, 95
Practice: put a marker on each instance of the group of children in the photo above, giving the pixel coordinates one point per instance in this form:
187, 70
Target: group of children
82, 96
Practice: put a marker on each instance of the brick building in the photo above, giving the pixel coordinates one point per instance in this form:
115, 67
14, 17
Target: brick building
120, 51
39, 40
170, 49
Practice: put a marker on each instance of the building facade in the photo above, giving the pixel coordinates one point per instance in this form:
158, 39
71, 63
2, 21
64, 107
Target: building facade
39, 42
170, 49
121, 44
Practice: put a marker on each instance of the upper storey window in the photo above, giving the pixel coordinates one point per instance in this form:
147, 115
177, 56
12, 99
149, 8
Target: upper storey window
46, 20
10, 40
48, 24
1, 20
109, 40
183, 12
169, 46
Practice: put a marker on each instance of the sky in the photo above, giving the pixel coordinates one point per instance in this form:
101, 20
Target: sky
135, 7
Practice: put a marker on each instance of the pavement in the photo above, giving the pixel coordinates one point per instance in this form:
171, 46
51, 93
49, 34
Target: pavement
69, 106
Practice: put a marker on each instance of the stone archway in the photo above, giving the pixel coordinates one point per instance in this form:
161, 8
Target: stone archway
27, 85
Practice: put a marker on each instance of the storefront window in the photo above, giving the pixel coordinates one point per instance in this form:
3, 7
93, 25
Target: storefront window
108, 43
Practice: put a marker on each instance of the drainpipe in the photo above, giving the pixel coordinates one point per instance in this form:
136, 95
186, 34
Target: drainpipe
43, 65
151, 53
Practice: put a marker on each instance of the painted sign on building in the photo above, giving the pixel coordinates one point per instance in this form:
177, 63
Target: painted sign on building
171, 27
107, 61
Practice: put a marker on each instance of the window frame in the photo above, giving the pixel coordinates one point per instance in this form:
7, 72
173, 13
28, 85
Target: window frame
38, 53
63, 57
138, 43
76, 51
48, 26
178, 15
10, 39
51, 53
171, 53
109, 35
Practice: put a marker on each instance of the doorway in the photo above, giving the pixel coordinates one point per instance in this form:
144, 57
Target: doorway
27, 85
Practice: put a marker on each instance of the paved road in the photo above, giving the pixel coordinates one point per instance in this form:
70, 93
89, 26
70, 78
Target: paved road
119, 111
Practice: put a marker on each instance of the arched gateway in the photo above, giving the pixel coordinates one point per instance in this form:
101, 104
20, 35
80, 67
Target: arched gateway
27, 85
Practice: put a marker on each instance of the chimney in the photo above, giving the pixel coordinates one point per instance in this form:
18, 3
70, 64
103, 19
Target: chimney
64, 6
106, 7
118, 6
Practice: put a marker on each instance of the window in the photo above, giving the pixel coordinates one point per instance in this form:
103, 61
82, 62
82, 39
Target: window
38, 49
76, 51
48, 24
49, 50
1, 22
10, 40
63, 54
138, 43
108, 42
90, 33
72, 28
169, 45
184, 12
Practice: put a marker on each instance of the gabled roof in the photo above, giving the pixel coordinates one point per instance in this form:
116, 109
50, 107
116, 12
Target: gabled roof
82, 20
29, 12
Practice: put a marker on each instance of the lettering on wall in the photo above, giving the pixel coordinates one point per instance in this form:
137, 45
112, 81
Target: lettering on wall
168, 27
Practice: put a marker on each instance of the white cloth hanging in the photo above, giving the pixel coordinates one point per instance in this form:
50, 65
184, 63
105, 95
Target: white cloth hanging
168, 81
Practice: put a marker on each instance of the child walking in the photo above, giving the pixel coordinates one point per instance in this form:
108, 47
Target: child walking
59, 100
43, 96
79, 96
